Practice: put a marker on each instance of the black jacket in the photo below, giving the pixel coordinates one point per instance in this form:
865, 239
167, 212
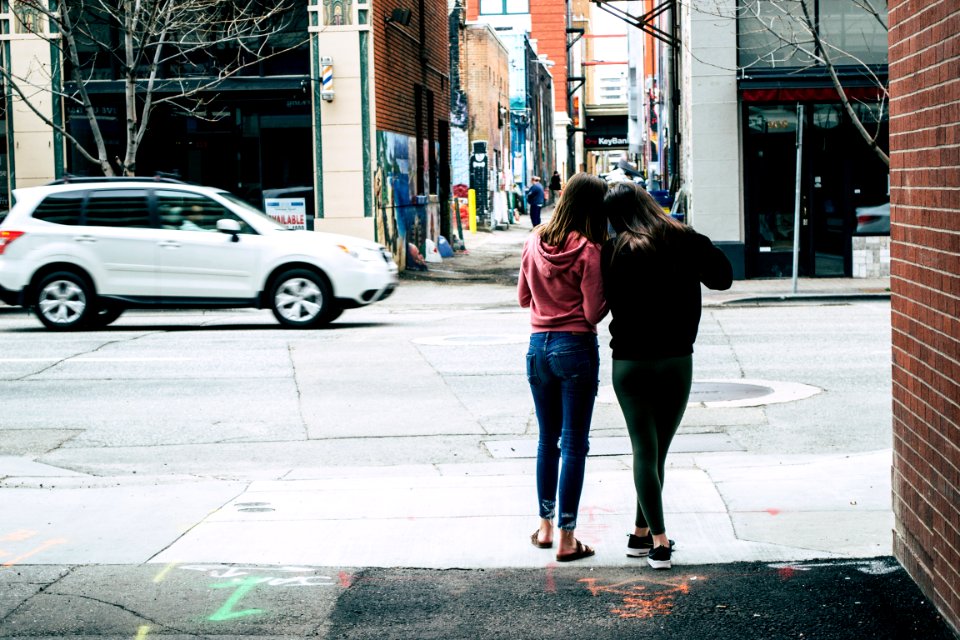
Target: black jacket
654, 297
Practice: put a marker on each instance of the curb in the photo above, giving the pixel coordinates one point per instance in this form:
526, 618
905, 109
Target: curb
799, 298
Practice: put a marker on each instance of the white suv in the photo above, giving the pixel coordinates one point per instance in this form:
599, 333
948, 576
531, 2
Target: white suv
81, 251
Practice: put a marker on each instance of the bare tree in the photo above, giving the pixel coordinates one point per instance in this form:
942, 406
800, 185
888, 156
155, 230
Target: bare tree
790, 34
173, 52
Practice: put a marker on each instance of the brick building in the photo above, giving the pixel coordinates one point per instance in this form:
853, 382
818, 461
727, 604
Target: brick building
546, 23
411, 79
925, 281
486, 74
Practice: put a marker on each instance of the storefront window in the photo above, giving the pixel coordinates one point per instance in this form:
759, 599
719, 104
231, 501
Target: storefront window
844, 187
856, 32
776, 34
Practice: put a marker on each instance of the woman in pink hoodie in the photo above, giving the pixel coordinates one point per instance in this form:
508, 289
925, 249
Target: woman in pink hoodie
561, 282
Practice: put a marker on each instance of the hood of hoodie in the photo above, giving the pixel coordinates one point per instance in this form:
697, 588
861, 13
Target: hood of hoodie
551, 261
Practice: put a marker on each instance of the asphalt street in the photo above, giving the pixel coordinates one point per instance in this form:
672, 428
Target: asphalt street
191, 474
822, 600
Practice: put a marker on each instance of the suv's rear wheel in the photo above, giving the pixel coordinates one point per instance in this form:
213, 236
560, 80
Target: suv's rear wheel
301, 299
64, 301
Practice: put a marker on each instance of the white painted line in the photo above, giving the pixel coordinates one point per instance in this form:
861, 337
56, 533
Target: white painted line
473, 340
72, 359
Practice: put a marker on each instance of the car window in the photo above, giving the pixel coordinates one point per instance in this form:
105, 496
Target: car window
263, 219
60, 208
118, 208
193, 212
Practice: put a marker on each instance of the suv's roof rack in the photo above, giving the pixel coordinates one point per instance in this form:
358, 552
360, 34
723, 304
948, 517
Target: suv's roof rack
159, 177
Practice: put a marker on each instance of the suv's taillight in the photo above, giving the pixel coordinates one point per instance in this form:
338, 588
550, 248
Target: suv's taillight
6, 237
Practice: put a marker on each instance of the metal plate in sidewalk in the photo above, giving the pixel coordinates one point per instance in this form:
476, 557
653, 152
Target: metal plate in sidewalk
620, 446
717, 391
717, 394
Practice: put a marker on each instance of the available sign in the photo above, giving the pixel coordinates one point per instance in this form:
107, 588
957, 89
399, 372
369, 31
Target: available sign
290, 212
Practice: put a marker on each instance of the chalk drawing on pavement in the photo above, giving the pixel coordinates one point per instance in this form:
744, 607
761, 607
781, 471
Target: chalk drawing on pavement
241, 574
18, 554
637, 601
227, 612
877, 567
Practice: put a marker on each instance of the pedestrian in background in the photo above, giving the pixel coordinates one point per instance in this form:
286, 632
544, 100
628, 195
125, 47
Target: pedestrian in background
652, 272
561, 283
535, 198
555, 185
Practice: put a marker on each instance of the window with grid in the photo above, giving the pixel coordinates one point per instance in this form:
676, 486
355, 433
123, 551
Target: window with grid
500, 7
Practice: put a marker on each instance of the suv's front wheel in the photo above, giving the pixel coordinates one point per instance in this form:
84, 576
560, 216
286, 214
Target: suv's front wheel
106, 313
64, 301
301, 299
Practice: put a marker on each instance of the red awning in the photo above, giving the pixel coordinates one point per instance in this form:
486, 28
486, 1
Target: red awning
809, 94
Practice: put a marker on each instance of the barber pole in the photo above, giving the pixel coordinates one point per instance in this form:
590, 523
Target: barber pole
326, 90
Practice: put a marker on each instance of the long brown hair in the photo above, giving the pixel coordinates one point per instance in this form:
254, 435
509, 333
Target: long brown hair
641, 224
580, 209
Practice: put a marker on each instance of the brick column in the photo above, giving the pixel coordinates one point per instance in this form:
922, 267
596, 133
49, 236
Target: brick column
925, 282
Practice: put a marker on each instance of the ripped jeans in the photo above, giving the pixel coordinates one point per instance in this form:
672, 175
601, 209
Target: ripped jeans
563, 370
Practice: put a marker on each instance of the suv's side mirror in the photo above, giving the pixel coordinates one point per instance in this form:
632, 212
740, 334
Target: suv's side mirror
226, 225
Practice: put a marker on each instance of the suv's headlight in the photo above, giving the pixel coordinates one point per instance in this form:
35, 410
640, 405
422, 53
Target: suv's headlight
366, 254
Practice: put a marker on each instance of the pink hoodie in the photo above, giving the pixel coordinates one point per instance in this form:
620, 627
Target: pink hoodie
562, 285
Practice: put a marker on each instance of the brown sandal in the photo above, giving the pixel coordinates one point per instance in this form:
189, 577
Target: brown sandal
583, 551
535, 540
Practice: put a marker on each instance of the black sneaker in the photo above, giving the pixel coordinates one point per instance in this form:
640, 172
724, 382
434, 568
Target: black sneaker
659, 558
640, 546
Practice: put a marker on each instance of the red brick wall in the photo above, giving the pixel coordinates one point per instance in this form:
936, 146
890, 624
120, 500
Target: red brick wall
397, 65
549, 28
925, 282
549, 18
486, 78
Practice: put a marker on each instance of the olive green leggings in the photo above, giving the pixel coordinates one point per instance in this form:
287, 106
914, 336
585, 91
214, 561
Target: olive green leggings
653, 396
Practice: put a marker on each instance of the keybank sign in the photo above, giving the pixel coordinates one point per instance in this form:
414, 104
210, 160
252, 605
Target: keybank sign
605, 142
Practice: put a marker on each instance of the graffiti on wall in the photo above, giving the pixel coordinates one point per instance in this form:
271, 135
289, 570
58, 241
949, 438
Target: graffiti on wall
459, 159
402, 220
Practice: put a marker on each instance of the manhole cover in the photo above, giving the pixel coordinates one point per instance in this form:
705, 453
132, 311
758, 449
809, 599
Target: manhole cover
735, 393
716, 391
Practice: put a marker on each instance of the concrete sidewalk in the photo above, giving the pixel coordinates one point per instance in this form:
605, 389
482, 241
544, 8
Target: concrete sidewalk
494, 256
721, 507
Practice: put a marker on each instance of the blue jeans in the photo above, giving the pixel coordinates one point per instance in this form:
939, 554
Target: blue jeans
563, 369
535, 214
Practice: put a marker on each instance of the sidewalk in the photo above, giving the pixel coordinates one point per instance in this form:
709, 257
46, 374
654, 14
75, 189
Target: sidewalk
494, 256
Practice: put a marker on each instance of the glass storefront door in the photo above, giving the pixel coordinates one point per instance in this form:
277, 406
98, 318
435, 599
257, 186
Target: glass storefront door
769, 163
827, 189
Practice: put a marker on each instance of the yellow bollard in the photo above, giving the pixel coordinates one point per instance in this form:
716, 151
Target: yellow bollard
472, 209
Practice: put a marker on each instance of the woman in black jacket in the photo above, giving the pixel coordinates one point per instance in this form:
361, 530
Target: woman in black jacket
652, 272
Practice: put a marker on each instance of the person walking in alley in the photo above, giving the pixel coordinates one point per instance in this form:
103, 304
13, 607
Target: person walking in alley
555, 185
560, 281
535, 198
652, 270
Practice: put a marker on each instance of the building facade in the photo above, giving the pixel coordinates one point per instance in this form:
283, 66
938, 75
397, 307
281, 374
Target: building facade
751, 97
346, 113
546, 23
486, 73
531, 110
925, 300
